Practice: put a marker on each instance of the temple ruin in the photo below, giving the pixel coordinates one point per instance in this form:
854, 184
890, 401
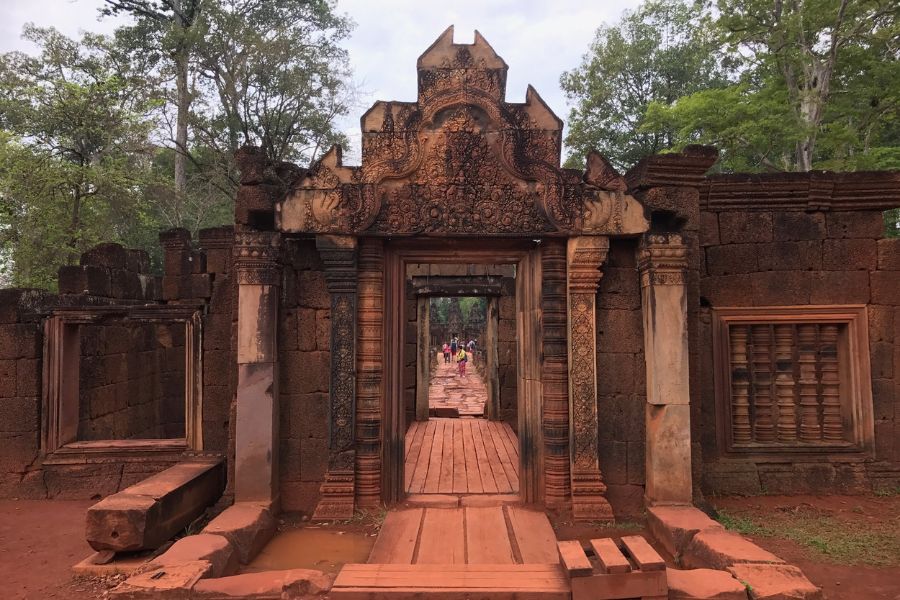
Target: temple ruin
650, 338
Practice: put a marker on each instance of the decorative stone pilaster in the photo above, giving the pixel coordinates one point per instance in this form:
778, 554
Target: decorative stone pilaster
256, 264
585, 256
370, 365
663, 265
337, 491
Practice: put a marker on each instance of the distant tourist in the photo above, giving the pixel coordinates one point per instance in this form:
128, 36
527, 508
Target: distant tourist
461, 359
471, 348
446, 351
454, 345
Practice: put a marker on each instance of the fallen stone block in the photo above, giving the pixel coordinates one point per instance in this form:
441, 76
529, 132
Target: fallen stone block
215, 549
248, 527
776, 582
293, 583
147, 514
172, 582
718, 549
675, 526
704, 584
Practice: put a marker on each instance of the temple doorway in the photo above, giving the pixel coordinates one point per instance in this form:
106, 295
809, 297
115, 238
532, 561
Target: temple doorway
461, 435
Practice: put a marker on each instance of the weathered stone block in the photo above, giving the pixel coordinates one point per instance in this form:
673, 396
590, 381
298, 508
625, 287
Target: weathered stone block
881, 323
675, 526
709, 229
733, 258
173, 582
312, 291
775, 582
857, 224
885, 287
247, 526
147, 514
323, 330
137, 261
668, 454
790, 256
215, 549
704, 584
619, 330
839, 287
848, 254
739, 227
727, 290
888, 254
109, 255
72, 279
791, 226
719, 549
779, 288
294, 583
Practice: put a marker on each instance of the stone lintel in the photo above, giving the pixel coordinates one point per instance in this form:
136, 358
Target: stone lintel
682, 169
147, 514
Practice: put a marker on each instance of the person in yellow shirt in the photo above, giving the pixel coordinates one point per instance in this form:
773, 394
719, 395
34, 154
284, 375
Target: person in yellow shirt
461, 359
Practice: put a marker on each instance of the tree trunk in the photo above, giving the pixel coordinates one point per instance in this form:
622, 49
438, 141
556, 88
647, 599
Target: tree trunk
183, 105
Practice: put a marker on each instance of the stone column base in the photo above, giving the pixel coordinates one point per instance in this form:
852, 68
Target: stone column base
337, 493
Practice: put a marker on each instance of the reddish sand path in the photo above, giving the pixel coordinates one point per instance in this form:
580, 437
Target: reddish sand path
448, 390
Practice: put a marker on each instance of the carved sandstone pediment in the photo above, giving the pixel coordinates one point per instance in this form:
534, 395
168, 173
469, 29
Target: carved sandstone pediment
461, 161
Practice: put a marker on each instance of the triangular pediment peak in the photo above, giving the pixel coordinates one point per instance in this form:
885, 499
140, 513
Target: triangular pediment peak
444, 53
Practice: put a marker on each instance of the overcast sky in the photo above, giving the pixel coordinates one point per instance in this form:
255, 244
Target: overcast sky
538, 39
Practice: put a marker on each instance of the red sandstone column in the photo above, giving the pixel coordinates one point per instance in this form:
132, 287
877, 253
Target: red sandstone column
256, 255
585, 256
663, 266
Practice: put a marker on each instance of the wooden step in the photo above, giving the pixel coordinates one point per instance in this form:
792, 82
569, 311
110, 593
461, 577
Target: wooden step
451, 582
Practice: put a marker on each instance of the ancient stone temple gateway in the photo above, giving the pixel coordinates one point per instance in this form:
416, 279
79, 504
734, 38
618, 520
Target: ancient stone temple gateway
651, 337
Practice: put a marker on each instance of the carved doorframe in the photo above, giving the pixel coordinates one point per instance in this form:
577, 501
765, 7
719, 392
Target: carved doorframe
526, 255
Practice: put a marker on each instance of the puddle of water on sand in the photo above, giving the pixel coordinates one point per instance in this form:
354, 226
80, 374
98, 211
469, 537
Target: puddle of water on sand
312, 548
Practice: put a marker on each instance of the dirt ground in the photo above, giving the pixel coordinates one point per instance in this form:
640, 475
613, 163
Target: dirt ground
823, 535
40, 540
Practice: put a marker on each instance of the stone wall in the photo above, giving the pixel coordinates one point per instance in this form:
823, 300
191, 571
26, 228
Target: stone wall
621, 379
304, 338
788, 257
131, 381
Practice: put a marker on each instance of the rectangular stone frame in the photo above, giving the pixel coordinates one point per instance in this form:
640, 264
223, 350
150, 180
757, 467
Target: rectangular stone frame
527, 258
62, 356
855, 364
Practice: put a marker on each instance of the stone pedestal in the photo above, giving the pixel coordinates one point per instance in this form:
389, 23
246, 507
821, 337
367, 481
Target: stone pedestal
663, 266
585, 256
256, 429
337, 492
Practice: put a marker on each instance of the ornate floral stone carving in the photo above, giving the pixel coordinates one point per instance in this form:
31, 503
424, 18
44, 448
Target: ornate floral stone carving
339, 256
256, 257
460, 161
585, 256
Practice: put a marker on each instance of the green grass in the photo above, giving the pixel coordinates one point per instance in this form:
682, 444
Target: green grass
838, 541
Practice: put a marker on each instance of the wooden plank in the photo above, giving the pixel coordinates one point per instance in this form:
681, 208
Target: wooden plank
417, 485
433, 479
460, 484
397, 540
534, 535
493, 454
484, 466
644, 555
414, 437
433, 578
573, 559
609, 556
442, 539
445, 486
639, 584
473, 479
510, 464
410, 434
512, 442
487, 539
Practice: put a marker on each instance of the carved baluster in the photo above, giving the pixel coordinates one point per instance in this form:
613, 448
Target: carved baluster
740, 386
554, 373
810, 432
784, 383
762, 383
832, 424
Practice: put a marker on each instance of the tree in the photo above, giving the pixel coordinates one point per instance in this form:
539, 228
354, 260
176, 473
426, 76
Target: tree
175, 21
660, 52
818, 86
74, 152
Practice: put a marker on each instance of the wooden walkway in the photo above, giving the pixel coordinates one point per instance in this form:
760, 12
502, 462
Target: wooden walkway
461, 456
502, 552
